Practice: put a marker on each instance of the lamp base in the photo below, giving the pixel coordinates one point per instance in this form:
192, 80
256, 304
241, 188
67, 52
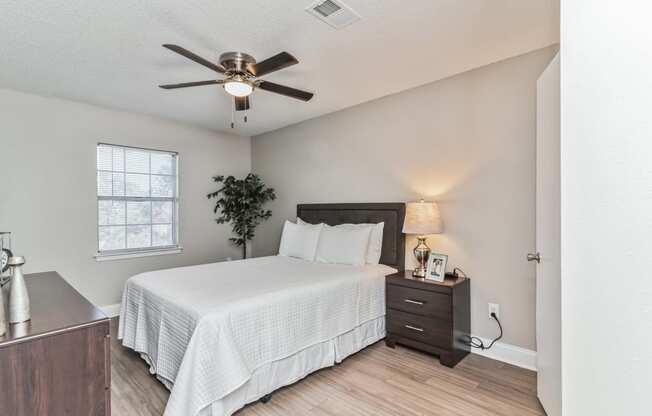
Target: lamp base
419, 272
421, 252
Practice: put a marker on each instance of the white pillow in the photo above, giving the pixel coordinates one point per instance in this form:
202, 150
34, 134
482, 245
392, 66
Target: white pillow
300, 240
344, 245
375, 243
375, 240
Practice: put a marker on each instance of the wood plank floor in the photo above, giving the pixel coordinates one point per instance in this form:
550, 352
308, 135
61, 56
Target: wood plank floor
376, 381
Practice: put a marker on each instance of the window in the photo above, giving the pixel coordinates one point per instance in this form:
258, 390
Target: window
137, 200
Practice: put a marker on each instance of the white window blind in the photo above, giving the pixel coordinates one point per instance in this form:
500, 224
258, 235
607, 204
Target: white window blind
137, 200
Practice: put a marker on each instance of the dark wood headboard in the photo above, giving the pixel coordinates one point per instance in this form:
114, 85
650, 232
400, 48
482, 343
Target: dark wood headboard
392, 214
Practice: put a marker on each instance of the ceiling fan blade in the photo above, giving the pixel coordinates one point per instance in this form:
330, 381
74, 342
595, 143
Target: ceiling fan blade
287, 91
276, 62
196, 58
241, 103
190, 84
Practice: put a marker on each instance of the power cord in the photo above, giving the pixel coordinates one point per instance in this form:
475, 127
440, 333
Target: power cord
457, 271
476, 342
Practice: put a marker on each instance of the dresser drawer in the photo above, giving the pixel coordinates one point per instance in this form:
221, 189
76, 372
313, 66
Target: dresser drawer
421, 302
430, 331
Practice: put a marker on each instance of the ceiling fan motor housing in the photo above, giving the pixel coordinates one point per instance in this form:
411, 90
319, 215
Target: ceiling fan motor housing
237, 63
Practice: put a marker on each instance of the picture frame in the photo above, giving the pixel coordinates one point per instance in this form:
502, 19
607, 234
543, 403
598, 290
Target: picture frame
436, 269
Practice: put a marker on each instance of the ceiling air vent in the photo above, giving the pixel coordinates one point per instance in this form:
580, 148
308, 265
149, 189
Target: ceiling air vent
333, 12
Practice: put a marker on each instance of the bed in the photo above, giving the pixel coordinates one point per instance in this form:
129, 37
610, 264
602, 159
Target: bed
222, 335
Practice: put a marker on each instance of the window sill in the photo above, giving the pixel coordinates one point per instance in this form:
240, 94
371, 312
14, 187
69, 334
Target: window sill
135, 255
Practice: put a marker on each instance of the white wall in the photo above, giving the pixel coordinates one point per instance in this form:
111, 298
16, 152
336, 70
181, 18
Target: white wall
606, 96
48, 187
467, 142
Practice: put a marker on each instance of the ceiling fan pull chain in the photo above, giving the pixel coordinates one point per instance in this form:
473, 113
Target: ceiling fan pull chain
233, 113
247, 104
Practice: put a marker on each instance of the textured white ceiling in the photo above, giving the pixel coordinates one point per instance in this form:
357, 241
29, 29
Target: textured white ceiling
109, 52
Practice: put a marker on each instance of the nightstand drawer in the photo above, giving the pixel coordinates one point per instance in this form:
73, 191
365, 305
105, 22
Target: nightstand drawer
421, 302
430, 331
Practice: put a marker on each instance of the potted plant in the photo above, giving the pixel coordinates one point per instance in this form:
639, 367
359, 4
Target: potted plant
241, 202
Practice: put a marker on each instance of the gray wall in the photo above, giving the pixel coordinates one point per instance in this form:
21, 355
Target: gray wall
48, 187
467, 142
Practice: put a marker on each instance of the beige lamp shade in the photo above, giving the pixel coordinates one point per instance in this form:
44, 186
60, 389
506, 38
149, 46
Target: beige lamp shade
422, 218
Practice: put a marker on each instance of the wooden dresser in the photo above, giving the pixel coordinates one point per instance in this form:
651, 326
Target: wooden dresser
57, 363
430, 316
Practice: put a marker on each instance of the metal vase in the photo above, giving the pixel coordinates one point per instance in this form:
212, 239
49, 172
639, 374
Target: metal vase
18, 297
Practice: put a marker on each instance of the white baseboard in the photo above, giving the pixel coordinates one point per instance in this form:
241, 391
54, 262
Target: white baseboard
510, 354
111, 310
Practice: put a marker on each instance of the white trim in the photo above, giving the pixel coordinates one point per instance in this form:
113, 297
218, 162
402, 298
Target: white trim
510, 354
137, 254
111, 310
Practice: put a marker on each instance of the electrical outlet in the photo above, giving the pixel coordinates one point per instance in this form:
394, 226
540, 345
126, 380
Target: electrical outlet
494, 308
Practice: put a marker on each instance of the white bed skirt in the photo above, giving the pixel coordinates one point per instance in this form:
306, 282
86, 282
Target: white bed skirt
286, 371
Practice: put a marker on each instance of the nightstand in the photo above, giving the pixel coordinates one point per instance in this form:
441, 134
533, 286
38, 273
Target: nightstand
433, 317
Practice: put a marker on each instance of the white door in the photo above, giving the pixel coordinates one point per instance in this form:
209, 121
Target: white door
548, 240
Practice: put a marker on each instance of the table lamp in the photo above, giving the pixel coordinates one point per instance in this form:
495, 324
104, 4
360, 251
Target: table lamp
422, 218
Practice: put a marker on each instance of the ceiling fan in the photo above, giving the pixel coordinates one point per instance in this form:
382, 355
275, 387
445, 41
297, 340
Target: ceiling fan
241, 73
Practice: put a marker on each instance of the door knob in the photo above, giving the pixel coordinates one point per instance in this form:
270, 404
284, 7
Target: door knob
534, 257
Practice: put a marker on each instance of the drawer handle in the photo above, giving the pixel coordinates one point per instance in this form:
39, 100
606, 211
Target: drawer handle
415, 302
414, 328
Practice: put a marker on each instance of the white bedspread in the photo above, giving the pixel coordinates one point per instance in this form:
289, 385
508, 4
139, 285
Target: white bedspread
205, 329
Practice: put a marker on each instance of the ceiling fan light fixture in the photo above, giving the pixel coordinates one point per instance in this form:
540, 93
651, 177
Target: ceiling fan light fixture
238, 88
